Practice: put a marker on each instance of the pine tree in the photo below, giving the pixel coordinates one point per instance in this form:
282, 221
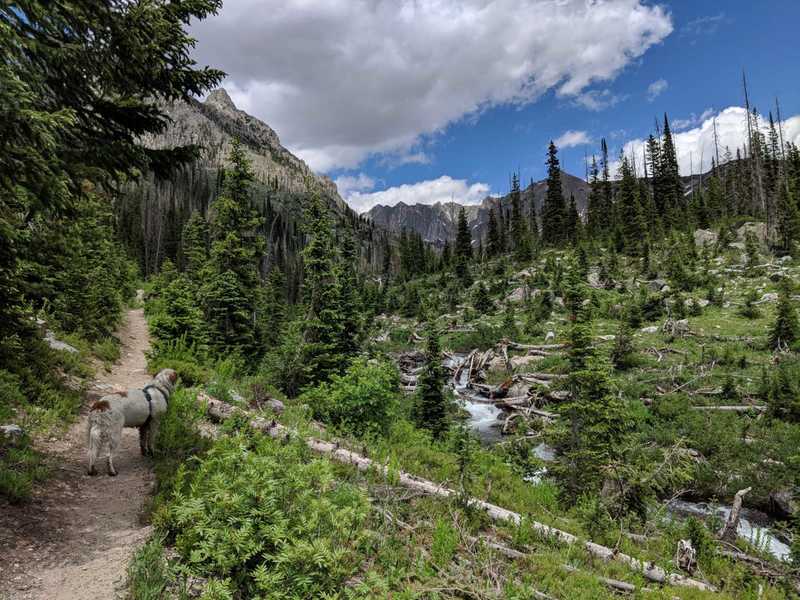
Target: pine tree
606, 188
482, 302
671, 186
231, 288
493, 248
785, 330
322, 327
594, 208
352, 307
463, 248
431, 410
275, 308
630, 212
554, 211
573, 221
194, 243
519, 230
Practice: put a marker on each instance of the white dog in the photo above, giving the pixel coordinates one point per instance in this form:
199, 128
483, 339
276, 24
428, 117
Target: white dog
134, 408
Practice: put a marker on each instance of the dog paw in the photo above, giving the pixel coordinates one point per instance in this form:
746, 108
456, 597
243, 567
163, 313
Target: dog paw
112, 473
92, 473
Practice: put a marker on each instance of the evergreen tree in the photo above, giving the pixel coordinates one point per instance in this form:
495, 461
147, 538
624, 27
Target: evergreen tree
275, 306
554, 212
323, 324
573, 221
630, 212
785, 330
493, 247
519, 230
671, 186
352, 307
482, 301
431, 399
594, 208
231, 290
463, 248
194, 242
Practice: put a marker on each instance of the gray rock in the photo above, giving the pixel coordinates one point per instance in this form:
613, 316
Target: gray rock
523, 361
656, 285
737, 246
769, 297
11, 433
704, 236
650, 329
758, 229
783, 504
518, 295
606, 338
275, 406
55, 344
549, 337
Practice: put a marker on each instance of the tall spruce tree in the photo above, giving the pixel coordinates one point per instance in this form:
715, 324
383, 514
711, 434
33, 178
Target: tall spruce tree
554, 210
323, 325
671, 186
630, 212
431, 411
492, 236
519, 230
231, 292
462, 253
594, 207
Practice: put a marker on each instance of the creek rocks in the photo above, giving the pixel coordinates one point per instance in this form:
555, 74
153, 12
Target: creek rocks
783, 504
56, 344
11, 434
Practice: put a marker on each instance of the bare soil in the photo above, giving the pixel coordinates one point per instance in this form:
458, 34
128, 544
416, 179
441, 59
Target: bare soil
74, 540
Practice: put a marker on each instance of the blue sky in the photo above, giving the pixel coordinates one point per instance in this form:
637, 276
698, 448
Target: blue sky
422, 102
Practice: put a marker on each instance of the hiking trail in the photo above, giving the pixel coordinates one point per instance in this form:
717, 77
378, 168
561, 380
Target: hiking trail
75, 538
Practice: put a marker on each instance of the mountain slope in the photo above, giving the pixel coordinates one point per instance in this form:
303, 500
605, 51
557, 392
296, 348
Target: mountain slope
437, 223
152, 212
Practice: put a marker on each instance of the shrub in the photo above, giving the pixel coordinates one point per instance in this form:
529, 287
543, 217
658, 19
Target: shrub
361, 401
270, 518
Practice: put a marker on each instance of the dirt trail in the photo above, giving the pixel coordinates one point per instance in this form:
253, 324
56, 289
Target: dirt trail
75, 539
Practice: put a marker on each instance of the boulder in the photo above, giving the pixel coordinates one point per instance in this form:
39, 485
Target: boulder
11, 434
606, 338
650, 329
55, 344
757, 229
783, 504
549, 337
769, 297
656, 285
275, 406
704, 236
737, 246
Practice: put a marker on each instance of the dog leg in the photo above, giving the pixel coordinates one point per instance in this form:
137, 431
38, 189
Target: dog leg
143, 440
151, 437
93, 451
112, 472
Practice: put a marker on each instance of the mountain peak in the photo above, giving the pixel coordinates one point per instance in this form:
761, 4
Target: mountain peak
220, 99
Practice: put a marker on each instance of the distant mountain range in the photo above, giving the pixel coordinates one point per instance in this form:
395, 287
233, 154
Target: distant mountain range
437, 223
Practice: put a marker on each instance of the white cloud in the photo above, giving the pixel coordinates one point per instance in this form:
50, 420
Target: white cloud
342, 79
692, 120
570, 139
347, 184
443, 189
597, 100
655, 89
696, 145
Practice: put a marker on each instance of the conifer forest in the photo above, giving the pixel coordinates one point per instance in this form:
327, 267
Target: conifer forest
583, 385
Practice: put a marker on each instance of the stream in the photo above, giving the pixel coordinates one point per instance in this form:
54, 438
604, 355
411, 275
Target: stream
486, 419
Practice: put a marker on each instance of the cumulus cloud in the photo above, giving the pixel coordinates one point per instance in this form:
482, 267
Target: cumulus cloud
443, 189
692, 120
342, 79
695, 147
570, 139
655, 89
348, 184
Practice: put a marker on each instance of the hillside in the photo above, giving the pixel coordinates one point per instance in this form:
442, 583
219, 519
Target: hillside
153, 211
437, 223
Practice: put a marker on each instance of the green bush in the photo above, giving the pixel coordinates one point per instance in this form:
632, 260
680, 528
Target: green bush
270, 518
20, 467
177, 354
363, 400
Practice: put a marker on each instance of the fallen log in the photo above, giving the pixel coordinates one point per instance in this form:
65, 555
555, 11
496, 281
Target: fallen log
544, 376
222, 411
737, 408
542, 347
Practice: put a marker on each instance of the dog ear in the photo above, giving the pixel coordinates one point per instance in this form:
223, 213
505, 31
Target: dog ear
173, 376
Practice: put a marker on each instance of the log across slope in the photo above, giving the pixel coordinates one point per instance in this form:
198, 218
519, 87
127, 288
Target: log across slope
220, 410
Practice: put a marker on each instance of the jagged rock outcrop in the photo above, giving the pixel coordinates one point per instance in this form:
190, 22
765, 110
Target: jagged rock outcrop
437, 223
